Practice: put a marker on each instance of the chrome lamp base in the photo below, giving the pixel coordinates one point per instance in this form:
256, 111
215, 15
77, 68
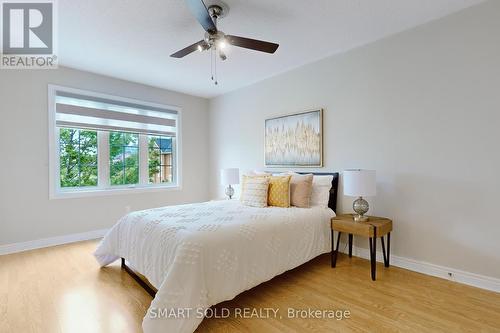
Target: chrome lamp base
360, 206
229, 192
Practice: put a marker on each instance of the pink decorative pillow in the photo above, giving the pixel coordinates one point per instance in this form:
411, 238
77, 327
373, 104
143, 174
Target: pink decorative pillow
300, 190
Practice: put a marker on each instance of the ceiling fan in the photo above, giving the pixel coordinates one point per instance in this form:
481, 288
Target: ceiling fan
215, 40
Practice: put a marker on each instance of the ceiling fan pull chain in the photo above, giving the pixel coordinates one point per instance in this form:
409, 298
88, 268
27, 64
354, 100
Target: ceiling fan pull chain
215, 64
212, 64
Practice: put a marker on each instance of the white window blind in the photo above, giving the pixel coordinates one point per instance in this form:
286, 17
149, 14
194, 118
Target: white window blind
78, 111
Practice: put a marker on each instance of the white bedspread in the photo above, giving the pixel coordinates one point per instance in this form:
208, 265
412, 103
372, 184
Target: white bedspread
198, 255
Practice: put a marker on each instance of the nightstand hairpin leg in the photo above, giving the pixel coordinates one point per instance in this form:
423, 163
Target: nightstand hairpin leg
336, 250
386, 253
373, 254
350, 245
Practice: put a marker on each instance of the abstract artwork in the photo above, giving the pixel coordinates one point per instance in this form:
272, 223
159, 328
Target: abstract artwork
295, 140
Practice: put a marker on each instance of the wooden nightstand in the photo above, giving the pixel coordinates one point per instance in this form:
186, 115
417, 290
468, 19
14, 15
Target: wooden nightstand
373, 228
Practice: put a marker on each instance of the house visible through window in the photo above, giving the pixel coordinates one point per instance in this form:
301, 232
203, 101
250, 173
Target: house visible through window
106, 143
160, 159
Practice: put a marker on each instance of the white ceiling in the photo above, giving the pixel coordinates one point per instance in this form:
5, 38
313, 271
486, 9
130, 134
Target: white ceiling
132, 39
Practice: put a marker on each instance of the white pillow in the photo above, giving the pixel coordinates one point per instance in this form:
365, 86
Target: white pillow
256, 173
321, 190
254, 191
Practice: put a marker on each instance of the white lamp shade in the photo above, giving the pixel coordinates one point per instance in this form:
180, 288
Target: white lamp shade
230, 176
360, 183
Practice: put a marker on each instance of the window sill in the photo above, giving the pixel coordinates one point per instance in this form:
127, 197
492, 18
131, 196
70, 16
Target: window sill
61, 194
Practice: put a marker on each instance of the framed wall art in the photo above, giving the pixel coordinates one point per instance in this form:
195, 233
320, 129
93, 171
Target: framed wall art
295, 140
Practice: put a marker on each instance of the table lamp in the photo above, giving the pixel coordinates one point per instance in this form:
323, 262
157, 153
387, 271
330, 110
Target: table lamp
360, 183
230, 177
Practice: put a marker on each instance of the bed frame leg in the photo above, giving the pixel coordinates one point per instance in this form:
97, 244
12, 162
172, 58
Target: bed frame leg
136, 277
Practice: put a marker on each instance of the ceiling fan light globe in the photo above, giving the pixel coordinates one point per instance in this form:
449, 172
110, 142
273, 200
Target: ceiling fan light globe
222, 44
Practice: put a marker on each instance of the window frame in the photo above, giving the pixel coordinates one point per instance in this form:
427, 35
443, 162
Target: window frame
104, 187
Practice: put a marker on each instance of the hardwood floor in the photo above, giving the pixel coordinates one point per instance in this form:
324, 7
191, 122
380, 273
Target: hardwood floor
62, 289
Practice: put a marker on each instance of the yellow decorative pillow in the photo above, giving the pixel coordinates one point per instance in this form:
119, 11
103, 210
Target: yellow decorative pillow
279, 191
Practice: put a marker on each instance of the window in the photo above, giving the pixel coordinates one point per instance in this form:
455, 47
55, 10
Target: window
107, 144
160, 159
78, 157
124, 158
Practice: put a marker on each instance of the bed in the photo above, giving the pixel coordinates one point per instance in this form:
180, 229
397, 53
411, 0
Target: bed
198, 255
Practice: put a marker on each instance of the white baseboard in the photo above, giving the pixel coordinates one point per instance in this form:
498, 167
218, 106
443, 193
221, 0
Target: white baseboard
452, 274
471, 279
52, 241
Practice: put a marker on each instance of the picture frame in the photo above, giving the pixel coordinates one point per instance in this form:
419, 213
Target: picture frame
294, 140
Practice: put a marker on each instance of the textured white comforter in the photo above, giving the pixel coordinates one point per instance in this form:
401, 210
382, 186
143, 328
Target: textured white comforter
198, 255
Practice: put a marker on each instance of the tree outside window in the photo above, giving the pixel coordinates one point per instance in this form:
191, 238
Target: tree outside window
124, 158
78, 157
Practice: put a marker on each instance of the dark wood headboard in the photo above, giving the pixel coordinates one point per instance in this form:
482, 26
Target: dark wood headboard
332, 201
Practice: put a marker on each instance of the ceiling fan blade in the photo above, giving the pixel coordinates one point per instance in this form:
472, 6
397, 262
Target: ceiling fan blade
200, 11
253, 44
187, 50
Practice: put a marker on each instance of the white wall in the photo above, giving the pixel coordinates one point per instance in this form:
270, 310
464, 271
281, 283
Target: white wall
422, 108
26, 213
